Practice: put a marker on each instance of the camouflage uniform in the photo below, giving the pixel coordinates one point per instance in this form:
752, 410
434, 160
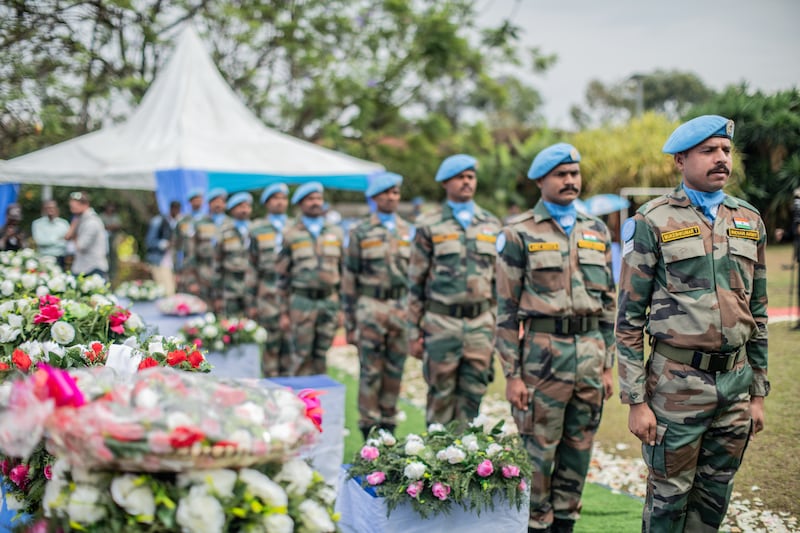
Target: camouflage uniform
561, 289
183, 250
200, 267
374, 296
265, 244
309, 273
699, 290
452, 301
234, 282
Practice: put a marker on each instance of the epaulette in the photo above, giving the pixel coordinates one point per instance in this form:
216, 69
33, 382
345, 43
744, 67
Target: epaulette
746, 204
652, 204
520, 217
429, 218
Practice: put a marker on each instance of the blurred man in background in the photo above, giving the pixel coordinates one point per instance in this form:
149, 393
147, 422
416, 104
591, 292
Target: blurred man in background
49, 232
88, 234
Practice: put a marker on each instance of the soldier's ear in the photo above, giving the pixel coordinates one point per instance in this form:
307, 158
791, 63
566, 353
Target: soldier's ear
680, 158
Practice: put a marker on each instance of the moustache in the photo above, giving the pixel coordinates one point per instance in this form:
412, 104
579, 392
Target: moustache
719, 168
569, 188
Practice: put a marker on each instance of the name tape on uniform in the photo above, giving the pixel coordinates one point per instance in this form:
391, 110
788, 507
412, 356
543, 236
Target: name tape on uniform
669, 236
446, 237
371, 243
300, 244
486, 238
593, 245
266, 237
743, 233
542, 246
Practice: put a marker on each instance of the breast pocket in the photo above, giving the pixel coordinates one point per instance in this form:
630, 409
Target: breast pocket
303, 255
687, 266
743, 255
546, 271
593, 268
447, 256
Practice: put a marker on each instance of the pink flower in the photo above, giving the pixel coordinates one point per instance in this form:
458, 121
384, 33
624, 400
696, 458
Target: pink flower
370, 453
376, 478
198, 343
48, 471
510, 471
522, 485
415, 489
182, 309
226, 339
440, 490
48, 314
5, 467
313, 406
117, 320
19, 475
486, 468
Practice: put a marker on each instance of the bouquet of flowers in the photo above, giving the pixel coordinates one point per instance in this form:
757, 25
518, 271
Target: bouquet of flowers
24, 274
441, 467
140, 290
181, 304
272, 498
209, 333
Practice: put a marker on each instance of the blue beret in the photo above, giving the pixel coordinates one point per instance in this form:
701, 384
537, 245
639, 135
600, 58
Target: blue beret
382, 182
306, 189
238, 198
216, 193
194, 193
272, 189
551, 157
697, 130
455, 165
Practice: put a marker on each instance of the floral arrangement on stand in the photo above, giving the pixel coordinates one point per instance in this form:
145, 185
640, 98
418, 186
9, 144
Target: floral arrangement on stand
25, 274
445, 467
140, 290
26, 478
181, 304
218, 335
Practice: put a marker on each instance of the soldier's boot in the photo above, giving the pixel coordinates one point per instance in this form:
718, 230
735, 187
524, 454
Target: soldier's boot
539, 530
365, 432
562, 525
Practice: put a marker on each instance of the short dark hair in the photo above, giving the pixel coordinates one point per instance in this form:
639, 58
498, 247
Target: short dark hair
174, 203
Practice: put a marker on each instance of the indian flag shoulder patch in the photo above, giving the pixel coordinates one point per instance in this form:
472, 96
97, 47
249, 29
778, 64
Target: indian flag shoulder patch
741, 223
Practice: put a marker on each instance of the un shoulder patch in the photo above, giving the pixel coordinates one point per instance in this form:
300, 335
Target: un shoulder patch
628, 229
500, 243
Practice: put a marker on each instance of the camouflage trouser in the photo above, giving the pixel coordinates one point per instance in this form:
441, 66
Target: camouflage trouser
313, 327
703, 427
564, 376
383, 348
275, 359
233, 305
203, 276
456, 364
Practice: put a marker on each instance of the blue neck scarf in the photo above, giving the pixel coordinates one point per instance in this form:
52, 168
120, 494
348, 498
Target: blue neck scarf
241, 225
463, 211
218, 218
197, 215
279, 221
313, 224
564, 215
708, 202
387, 219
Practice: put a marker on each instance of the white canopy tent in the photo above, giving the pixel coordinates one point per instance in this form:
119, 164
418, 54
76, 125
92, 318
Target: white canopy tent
189, 122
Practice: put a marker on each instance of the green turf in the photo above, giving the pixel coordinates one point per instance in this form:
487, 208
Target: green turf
603, 510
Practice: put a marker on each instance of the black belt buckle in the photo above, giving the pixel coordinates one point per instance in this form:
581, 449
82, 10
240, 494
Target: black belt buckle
717, 361
567, 325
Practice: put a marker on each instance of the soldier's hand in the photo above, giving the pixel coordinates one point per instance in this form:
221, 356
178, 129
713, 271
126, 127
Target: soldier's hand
218, 305
351, 337
608, 383
517, 393
417, 348
194, 288
285, 322
757, 414
642, 423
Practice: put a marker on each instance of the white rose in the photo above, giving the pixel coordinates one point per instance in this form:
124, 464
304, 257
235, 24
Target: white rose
278, 523
62, 332
414, 447
177, 419
481, 421
146, 398
414, 471
250, 412
31, 264
50, 347
42, 291
315, 517
23, 304
200, 513
284, 432
435, 427
13, 503
297, 474
220, 480
136, 499
493, 449
452, 454
134, 322
210, 318
470, 442
52, 494
28, 281
263, 487
57, 284
81, 475
210, 331
155, 347
327, 494
32, 348
15, 321
250, 326
219, 346
8, 305
387, 438
16, 261
7, 287
242, 438
8, 333
260, 335
98, 300
82, 506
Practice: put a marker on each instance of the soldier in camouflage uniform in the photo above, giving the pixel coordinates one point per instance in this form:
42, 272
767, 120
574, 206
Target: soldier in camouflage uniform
267, 238
309, 272
235, 278
374, 298
694, 279
182, 250
452, 300
200, 268
554, 277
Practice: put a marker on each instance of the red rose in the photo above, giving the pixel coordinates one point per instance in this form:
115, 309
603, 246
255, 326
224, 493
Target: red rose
48, 314
117, 320
4, 366
147, 362
21, 360
196, 358
183, 437
176, 357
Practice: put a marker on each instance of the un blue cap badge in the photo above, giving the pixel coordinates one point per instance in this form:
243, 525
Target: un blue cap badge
729, 129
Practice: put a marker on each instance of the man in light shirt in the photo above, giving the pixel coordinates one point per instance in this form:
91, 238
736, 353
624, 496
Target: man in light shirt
49, 232
89, 235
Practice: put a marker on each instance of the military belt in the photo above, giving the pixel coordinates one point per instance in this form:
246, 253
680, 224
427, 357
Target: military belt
379, 293
706, 361
567, 325
458, 310
314, 294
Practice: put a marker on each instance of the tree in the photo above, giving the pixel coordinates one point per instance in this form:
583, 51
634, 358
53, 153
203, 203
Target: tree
668, 92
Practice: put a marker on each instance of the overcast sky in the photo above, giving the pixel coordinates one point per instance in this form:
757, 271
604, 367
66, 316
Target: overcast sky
722, 42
